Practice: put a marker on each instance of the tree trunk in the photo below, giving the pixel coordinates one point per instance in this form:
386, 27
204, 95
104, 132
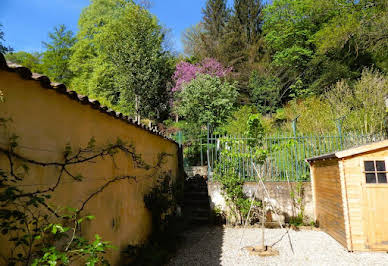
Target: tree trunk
262, 226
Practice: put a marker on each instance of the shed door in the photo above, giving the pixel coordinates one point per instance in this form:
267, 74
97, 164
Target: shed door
377, 210
376, 197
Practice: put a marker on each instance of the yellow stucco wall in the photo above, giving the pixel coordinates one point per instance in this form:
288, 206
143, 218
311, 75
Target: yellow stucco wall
46, 121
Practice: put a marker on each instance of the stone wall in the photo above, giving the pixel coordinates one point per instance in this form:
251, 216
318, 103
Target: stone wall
196, 170
280, 197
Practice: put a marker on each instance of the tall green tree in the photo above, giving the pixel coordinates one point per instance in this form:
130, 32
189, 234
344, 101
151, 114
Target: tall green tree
3, 49
264, 92
94, 71
248, 19
242, 44
314, 42
289, 28
135, 43
359, 28
119, 58
58, 52
215, 18
192, 41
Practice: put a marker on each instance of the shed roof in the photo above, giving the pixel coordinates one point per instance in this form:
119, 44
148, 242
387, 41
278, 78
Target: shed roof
25, 73
351, 152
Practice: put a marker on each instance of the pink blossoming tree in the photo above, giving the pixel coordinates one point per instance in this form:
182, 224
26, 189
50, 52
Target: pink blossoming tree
186, 72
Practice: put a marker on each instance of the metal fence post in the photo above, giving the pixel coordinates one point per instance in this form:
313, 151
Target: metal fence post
294, 124
296, 172
339, 122
180, 139
208, 151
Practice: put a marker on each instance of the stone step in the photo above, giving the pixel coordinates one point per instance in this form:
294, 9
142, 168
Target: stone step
197, 195
188, 189
196, 202
200, 220
200, 212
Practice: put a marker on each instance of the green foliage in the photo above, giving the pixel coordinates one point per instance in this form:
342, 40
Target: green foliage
228, 173
206, 99
161, 201
122, 58
232, 187
289, 26
215, 17
315, 42
314, 114
297, 200
289, 29
291, 49
55, 60
265, 92
255, 131
236, 124
360, 104
360, 26
78, 247
30, 60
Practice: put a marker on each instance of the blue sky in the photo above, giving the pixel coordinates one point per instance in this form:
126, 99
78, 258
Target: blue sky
26, 23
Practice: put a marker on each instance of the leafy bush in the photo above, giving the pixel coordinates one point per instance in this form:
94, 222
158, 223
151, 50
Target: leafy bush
229, 175
265, 92
236, 124
362, 102
207, 99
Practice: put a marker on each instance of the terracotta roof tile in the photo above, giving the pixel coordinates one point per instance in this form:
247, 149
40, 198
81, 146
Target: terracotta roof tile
45, 82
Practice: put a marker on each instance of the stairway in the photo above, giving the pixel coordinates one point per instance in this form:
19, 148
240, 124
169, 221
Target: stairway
196, 203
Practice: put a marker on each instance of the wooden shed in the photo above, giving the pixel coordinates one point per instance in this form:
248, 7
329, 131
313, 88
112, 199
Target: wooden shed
350, 194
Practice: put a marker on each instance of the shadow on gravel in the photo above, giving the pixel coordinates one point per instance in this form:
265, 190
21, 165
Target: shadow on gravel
202, 246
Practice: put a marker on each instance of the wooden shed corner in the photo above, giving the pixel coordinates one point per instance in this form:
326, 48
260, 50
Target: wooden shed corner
350, 192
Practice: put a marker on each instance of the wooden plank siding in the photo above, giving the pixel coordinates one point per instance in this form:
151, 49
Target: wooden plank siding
328, 199
357, 199
345, 204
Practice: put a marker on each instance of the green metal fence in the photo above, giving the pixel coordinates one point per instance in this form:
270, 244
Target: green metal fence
286, 154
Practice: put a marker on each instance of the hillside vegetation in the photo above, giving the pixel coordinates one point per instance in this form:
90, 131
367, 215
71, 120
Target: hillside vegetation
322, 61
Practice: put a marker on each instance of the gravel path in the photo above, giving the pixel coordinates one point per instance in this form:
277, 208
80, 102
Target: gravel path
221, 246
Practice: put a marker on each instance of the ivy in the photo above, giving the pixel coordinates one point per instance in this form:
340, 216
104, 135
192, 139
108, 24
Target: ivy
41, 233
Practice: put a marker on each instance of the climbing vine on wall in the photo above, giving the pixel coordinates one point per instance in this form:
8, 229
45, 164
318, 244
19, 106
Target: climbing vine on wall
41, 233
167, 224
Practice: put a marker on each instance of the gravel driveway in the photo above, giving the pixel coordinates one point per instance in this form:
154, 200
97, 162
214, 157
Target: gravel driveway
221, 246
